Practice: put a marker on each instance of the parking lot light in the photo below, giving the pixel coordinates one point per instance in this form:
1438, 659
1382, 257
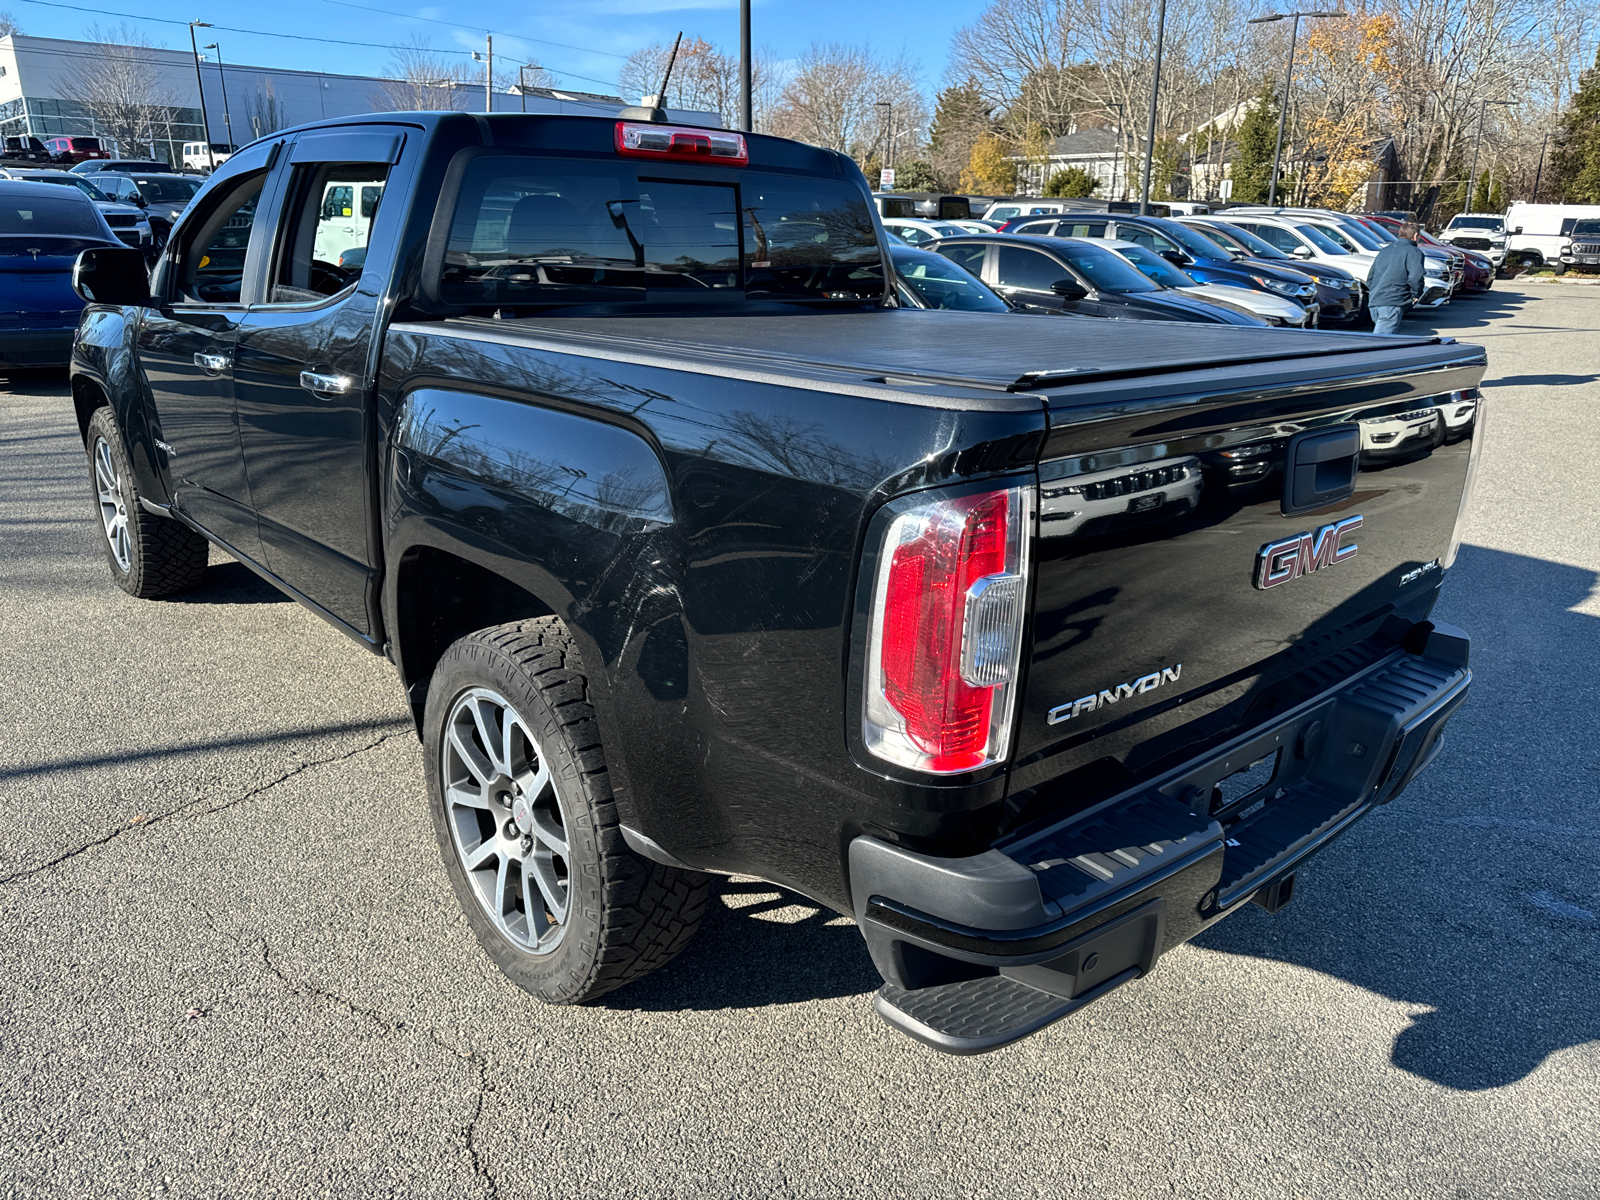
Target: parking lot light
1288, 80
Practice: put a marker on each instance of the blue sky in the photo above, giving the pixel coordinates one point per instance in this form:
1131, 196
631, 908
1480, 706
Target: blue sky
595, 35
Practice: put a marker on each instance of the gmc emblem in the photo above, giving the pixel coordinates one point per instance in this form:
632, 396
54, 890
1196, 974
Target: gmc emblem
1279, 562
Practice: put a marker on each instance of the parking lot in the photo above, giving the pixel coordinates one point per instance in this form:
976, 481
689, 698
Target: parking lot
230, 964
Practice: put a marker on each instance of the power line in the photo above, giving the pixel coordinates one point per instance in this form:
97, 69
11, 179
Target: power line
475, 29
298, 37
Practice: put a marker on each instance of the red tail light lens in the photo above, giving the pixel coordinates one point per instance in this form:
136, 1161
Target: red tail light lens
946, 634
679, 141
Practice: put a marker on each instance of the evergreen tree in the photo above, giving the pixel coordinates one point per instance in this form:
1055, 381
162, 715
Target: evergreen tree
1072, 184
1497, 195
962, 118
915, 176
1256, 136
1576, 160
1480, 194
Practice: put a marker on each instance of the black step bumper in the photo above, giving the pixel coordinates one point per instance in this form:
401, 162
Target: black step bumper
979, 952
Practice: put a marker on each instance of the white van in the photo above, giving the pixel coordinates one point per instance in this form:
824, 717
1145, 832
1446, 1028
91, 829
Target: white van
196, 157
1539, 232
346, 219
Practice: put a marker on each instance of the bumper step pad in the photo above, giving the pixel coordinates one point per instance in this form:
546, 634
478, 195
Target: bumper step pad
976, 1015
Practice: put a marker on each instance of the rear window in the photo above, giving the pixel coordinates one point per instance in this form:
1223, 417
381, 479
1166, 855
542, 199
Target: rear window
543, 231
85, 143
45, 215
174, 189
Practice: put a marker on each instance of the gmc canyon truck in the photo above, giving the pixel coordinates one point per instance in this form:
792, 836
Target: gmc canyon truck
1037, 646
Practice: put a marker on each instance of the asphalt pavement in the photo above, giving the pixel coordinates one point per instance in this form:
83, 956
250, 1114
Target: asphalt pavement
230, 964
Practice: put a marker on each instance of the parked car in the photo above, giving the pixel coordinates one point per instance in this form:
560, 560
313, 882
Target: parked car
1482, 232
1540, 232
1197, 255
197, 156
1054, 274
929, 280
973, 226
928, 206
695, 557
1274, 310
1477, 271
920, 233
1582, 253
127, 221
1340, 295
163, 196
25, 149
1304, 239
127, 166
69, 150
43, 229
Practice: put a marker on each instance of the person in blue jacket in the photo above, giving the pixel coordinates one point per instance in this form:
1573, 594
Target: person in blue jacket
1396, 280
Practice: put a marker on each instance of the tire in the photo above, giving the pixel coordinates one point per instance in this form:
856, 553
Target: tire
534, 819
149, 556
1559, 269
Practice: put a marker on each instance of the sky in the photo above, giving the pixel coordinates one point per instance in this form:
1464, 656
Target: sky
582, 43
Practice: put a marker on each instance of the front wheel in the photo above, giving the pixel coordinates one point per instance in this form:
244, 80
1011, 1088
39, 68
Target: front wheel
527, 826
1559, 269
149, 556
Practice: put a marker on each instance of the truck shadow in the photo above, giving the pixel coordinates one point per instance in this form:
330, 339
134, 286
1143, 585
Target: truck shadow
1474, 897
229, 582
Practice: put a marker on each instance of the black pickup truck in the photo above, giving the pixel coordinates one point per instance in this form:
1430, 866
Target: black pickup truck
1035, 645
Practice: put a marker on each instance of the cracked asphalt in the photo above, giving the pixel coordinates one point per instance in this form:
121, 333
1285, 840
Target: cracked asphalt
230, 964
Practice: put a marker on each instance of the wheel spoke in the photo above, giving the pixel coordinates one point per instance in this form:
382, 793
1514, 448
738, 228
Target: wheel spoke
502, 881
463, 797
543, 869
535, 782
549, 833
538, 922
488, 734
471, 757
480, 854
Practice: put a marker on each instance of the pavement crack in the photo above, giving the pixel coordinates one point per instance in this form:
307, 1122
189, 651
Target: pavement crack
190, 808
468, 1132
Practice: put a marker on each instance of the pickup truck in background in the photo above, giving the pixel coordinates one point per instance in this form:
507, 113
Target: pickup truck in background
1035, 645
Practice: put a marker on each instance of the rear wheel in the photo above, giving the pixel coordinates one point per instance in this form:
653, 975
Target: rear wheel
148, 555
527, 826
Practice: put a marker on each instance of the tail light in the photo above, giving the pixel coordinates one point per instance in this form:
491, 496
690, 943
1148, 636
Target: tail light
945, 642
682, 141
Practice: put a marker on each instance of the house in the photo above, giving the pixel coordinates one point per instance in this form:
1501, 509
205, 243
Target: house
1099, 150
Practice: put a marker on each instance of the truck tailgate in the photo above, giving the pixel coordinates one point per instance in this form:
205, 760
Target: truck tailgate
1163, 621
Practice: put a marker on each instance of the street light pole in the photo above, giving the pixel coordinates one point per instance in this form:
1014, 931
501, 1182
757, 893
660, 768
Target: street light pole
746, 112
1477, 143
205, 125
1288, 81
1539, 174
522, 82
222, 78
488, 76
1150, 133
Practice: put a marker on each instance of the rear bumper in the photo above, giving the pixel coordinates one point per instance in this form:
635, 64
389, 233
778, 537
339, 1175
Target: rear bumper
979, 952
36, 347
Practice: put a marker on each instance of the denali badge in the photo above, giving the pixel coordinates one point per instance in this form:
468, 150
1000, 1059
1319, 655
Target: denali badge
1293, 557
1094, 700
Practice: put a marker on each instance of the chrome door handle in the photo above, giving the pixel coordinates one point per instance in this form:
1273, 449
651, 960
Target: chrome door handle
211, 364
330, 385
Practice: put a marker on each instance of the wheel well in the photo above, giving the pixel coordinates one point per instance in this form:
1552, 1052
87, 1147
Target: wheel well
440, 597
86, 398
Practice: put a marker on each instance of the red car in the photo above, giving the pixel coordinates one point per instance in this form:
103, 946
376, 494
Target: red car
71, 150
1477, 272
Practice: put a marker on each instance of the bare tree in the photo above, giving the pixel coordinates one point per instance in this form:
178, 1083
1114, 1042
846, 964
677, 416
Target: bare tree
424, 80
847, 98
119, 86
704, 79
9, 25
265, 112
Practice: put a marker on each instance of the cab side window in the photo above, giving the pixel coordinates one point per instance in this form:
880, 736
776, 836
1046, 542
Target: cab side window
1029, 270
1281, 238
966, 255
326, 227
210, 264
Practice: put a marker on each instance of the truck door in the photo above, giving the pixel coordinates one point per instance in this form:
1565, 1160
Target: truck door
187, 346
303, 375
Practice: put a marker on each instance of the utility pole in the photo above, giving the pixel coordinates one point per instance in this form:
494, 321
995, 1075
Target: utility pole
488, 76
205, 126
1539, 174
747, 115
1150, 133
222, 78
1288, 82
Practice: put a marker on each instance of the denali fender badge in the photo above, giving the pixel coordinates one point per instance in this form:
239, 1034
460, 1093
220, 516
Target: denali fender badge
1279, 562
1115, 695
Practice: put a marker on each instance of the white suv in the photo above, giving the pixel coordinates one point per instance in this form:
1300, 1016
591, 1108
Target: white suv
1483, 233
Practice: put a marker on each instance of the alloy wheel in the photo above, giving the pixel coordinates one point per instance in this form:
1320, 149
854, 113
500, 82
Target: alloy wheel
113, 507
506, 820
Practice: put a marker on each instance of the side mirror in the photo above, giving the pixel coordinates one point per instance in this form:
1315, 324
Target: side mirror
1301, 252
1069, 289
112, 275
1517, 230
1176, 257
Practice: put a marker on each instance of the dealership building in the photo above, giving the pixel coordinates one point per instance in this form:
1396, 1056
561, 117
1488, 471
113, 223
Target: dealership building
51, 87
